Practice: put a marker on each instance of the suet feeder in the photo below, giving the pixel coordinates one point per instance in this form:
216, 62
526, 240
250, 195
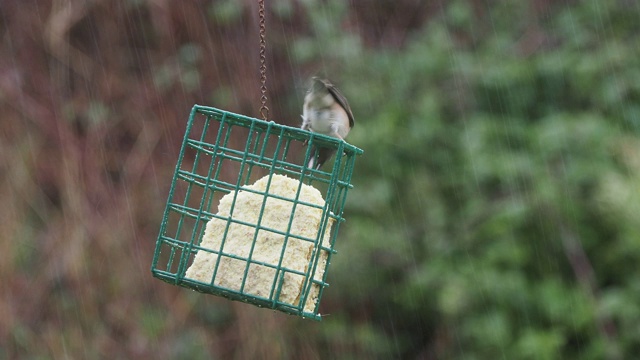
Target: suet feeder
252, 258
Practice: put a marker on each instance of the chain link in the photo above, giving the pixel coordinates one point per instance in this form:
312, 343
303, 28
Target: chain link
264, 110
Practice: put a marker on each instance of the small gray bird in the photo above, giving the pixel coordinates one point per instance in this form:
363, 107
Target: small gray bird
326, 112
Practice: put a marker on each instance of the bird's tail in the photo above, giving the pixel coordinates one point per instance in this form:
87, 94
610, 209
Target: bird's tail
319, 156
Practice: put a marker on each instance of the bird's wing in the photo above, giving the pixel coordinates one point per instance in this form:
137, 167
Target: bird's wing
342, 101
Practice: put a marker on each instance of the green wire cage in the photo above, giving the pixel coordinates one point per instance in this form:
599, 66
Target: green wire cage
278, 257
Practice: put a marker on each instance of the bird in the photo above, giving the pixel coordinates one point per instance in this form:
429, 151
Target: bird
327, 112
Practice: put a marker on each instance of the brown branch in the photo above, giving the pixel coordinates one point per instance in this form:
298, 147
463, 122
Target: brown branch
584, 273
64, 15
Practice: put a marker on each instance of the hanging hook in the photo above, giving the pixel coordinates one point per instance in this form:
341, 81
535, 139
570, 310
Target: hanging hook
264, 110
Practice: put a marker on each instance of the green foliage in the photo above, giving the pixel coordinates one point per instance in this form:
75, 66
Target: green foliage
180, 70
484, 170
225, 12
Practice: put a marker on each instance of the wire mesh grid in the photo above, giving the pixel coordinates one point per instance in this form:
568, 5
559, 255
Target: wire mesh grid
222, 155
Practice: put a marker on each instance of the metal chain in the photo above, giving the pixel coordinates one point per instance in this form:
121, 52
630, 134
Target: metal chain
264, 110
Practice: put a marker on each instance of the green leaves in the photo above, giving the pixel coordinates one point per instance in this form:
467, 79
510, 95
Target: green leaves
483, 169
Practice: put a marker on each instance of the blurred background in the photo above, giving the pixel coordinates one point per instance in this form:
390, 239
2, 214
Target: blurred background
495, 214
